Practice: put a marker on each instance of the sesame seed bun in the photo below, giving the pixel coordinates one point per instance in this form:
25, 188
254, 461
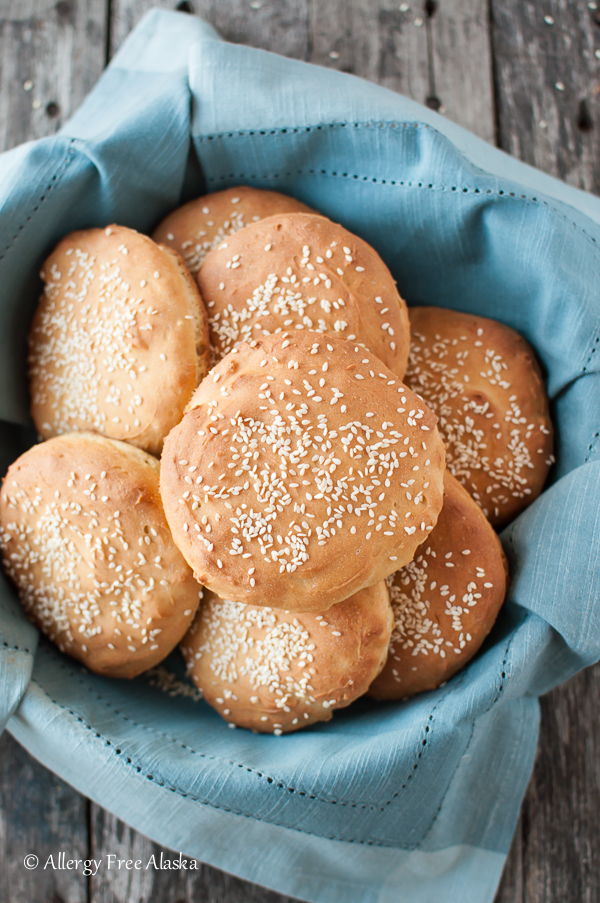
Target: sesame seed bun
196, 228
445, 601
274, 672
119, 341
85, 541
303, 471
482, 380
300, 271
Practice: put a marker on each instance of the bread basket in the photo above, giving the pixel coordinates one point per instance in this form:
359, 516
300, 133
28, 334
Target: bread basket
387, 802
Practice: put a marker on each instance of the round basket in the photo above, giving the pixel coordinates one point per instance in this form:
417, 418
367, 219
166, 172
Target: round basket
402, 802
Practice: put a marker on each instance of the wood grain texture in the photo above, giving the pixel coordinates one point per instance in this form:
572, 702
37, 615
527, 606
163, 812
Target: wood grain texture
548, 85
377, 41
51, 54
374, 40
159, 885
430, 51
280, 26
461, 64
42, 815
556, 855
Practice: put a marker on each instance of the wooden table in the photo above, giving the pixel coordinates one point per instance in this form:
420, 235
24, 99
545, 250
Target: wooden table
524, 74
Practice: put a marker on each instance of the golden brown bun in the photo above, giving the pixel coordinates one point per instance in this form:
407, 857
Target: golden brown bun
482, 380
272, 671
303, 472
201, 225
299, 271
445, 602
119, 341
85, 541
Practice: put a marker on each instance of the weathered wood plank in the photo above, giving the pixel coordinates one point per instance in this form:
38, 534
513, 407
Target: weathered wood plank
382, 42
460, 63
566, 792
379, 42
281, 27
561, 833
548, 84
51, 54
39, 814
155, 884
431, 51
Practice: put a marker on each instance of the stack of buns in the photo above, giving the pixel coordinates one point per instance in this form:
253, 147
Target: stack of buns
320, 525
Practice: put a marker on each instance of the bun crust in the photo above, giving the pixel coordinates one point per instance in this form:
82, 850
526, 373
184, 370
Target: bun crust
303, 272
274, 672
303, 471
445, 602
482, 380
199, 226
119, 341
85, 541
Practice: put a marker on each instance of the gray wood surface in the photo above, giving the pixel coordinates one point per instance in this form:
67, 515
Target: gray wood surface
502, 70
460, 64
547, 85
556, 850
109, 835
398, 45
51, 55
38, 814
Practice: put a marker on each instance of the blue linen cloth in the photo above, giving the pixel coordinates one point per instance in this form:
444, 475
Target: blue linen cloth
413, 802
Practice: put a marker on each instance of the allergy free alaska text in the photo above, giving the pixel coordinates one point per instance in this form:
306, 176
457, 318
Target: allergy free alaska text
160, 862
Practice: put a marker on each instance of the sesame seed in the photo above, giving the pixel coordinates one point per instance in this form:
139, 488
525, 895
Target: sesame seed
436, 372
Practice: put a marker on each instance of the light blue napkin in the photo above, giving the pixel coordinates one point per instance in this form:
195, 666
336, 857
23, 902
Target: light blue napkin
409, 803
